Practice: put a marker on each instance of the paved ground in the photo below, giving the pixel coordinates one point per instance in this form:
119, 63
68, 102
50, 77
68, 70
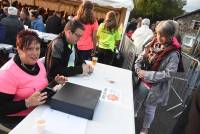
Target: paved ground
163, 122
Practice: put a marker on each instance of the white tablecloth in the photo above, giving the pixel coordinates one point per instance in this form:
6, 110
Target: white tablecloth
111, 116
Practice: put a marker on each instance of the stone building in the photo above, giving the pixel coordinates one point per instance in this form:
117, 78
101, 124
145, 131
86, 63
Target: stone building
189, 25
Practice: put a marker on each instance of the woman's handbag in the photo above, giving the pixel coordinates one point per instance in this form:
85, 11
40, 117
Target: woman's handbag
118, 59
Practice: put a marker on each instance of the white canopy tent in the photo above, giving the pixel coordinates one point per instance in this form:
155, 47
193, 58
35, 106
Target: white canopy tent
115, 3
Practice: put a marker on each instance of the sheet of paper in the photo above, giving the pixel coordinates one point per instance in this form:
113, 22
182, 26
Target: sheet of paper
110, 95
62, 123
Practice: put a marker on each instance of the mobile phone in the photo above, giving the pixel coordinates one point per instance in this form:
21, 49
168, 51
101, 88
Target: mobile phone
49, 91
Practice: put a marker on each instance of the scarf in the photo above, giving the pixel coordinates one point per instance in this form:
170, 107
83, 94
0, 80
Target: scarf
155, 53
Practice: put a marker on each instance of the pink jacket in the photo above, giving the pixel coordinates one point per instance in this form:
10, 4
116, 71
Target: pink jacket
14, 80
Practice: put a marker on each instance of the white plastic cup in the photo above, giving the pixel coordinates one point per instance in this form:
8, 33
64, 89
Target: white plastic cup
25, 27
40, 124
94, 60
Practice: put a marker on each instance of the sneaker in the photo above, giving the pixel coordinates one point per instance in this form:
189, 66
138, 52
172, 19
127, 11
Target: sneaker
144, 131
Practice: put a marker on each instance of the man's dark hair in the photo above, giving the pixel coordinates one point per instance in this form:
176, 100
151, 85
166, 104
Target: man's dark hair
34, 13
75, 24
25, 10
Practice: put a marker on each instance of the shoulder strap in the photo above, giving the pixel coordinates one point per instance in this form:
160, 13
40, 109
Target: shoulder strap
180, 64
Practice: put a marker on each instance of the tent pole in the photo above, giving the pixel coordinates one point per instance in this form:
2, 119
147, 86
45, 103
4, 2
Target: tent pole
10, 2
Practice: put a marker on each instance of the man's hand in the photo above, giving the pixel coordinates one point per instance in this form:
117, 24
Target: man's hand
60, 79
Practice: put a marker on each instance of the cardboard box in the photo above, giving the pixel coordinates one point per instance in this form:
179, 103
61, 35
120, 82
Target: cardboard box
76, 100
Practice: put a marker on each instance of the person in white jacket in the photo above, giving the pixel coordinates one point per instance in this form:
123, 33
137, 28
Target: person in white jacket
142, 35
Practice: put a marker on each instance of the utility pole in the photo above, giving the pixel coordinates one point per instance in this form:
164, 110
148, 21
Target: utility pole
10, 2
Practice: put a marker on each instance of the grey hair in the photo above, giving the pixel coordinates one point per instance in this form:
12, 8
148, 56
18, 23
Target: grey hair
176, 25
146, 21
167, 29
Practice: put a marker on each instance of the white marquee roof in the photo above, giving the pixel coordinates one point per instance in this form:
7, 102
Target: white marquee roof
115, 3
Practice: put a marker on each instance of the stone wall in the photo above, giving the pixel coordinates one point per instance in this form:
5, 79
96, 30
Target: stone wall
186, 24
185, 28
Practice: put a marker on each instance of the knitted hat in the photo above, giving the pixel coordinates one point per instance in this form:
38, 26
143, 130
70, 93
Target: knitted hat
12, 11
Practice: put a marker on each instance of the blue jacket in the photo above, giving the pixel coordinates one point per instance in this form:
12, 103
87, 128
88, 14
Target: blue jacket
37, 24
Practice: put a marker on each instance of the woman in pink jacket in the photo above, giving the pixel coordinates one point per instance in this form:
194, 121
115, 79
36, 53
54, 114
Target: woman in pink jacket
21, 79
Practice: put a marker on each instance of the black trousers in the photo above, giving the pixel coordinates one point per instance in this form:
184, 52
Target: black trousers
105, 56
86, 54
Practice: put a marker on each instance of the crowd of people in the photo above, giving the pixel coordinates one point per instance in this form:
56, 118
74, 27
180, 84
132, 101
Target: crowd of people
23, 77
14, 19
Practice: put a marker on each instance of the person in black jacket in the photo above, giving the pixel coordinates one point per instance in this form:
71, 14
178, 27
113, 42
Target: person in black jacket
3, 13
188, 122
62, 56
12, 25
25, 17
53, 23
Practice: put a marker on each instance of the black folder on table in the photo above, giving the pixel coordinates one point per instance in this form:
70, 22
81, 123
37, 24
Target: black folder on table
76, 100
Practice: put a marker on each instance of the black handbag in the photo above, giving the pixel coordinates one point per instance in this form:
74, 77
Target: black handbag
118, 59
